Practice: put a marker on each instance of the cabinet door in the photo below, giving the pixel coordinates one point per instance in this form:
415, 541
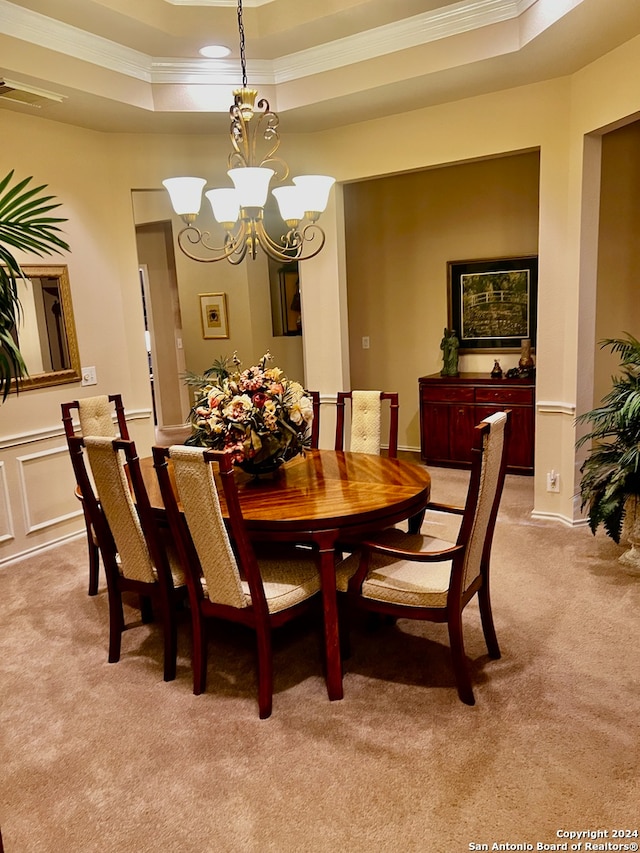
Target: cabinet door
462, 419
520, 455
435, 432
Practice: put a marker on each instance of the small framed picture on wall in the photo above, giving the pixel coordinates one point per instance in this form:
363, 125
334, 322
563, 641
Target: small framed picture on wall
213, 315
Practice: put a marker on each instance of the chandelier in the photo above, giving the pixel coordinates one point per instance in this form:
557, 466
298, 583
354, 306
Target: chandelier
241, 210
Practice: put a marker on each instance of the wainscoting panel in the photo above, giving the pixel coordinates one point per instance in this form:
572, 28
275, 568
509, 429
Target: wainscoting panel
47, 487
38, 506
6, 521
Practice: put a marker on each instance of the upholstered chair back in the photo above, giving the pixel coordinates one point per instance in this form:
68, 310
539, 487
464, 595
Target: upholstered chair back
114, 494
198, 495
95, 418
366, 416
365, 422
490, 490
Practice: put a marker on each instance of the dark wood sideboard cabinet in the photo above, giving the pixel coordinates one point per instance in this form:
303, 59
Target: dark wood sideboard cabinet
450, 407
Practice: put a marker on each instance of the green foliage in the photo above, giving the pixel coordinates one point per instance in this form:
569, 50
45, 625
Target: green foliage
24, 225
216, 374
611, 472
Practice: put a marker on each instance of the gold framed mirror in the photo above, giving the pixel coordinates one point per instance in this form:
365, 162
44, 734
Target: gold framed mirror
46, 334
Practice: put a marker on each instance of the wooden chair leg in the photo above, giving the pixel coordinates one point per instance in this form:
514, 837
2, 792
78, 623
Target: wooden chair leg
170, 629
344, 624
486, 615
465, 691
146, 609
198, 652
94, 554
94, 566
116, 625
265, 672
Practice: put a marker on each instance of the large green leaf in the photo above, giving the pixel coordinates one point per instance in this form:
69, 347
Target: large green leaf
24, 225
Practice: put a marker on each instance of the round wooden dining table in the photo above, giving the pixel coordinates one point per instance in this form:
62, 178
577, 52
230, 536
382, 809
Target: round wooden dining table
321, 498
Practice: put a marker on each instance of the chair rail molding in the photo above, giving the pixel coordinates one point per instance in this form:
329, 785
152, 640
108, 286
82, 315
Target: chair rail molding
45, 433
556, 407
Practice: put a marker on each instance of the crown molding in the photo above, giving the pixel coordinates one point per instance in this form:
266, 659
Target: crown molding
221, 3
400, 35
211, 71
420, 29
71, 41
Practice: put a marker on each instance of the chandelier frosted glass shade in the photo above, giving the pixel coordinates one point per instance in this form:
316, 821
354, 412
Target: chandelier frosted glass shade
185, 194
290, 203
314, 190
225, 206
252, 185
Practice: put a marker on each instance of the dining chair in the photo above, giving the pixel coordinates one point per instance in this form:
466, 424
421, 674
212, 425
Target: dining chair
315, 424
226, 578
366, 413
416, 576
137, 558
95, 415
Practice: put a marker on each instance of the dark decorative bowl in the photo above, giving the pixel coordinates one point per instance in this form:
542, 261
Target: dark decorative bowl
262, 467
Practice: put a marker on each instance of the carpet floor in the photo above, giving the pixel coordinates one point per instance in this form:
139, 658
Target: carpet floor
109, 758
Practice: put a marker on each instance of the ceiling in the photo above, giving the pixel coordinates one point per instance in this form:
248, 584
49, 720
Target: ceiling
133, 65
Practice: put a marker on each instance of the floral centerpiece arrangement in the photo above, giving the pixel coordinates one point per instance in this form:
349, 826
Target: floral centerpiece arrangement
262, 416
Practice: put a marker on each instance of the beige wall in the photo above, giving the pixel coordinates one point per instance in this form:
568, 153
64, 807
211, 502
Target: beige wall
618, 302
93, 175
249, 311
37, 504
410, 226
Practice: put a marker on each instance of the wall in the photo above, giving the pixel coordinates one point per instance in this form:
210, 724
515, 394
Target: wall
37, 503
536, 117
246, 288
618, 306
401, 232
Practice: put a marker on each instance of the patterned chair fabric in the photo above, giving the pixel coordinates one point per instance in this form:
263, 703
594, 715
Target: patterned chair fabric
365, 421
95, 415
286, 581
114, 493
226, 578
424, 577
366, 418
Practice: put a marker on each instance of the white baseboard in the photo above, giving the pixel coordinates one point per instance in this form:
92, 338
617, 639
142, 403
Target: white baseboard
557, 516
39, 548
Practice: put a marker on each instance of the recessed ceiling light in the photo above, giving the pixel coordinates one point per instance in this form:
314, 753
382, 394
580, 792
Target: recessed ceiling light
214, 51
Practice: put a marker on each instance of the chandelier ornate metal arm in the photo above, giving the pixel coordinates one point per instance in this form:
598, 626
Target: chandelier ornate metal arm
240, 210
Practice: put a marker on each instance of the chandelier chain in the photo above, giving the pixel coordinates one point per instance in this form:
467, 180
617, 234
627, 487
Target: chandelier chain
243, 59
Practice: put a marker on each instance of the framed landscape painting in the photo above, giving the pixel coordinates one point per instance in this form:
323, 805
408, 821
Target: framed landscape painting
213, 315
493, 302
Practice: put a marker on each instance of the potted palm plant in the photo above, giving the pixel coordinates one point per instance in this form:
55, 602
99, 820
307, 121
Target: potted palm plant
25, 224
610, 483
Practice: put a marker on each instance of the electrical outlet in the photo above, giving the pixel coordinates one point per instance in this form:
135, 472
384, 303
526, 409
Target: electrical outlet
365, 342
553, 481
89, 376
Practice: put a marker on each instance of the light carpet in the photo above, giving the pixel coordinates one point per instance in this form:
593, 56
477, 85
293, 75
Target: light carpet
107, 757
